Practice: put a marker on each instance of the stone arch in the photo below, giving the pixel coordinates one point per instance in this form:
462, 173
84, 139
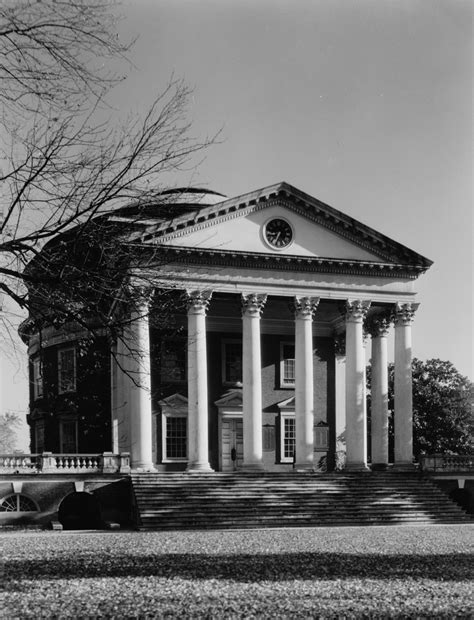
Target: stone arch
80, 511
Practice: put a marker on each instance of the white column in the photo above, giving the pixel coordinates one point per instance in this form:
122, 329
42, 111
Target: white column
403, 417
137, 342
114, 399
252, 306
356, 439
198, 425
304, 308
340, 397
379, 328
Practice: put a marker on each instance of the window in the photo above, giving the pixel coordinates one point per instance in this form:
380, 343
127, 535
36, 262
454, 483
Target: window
287, 364
321, 436
17, 503
173, 361
37, 378
68, 436
232, 362
39, 436
287, 438
175, 438
66, 370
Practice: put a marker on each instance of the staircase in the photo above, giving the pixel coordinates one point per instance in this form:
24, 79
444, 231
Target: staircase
176, 501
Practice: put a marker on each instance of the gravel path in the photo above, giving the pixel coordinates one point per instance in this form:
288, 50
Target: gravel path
417, 571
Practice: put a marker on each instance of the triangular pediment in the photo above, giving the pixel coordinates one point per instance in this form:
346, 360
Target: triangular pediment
175, 401
287, 405
246, 224
232, 399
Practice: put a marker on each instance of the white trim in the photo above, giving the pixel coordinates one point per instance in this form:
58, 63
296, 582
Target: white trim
73, 382
283, 383
285, 416
165, 415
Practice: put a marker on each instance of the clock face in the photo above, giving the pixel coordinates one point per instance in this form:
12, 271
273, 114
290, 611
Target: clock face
278, 233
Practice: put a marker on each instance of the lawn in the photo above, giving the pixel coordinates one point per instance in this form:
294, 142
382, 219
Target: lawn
422, 571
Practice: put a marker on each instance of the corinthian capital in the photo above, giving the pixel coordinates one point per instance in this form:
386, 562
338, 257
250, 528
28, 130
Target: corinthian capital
356, 310
405, 313
198, 301
305, 307
379, 325
253, 304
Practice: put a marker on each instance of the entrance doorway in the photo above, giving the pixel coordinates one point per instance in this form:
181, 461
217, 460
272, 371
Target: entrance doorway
232, 444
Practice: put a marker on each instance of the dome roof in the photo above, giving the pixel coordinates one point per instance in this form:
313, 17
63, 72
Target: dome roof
171, 203
192, 195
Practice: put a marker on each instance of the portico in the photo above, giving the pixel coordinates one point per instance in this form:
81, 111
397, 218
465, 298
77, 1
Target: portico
241, 426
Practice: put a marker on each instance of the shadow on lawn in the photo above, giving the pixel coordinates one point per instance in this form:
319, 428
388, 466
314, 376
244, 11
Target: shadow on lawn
247, 567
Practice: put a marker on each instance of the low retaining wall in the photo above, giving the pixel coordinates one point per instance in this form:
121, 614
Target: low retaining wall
36, 500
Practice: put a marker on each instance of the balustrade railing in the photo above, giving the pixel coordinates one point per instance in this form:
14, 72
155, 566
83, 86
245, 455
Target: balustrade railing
49, 463
447, 463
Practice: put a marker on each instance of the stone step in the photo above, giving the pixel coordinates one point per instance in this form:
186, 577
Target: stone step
186, 501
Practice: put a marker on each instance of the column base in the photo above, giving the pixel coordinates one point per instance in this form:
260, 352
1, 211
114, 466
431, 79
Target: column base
142, 468
250, 467
356, 467
199, 468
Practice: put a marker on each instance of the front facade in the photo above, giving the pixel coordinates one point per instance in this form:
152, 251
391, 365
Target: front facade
262, 368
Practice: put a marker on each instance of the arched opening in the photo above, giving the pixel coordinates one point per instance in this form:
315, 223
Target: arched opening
461, 497
18, 503
79, 511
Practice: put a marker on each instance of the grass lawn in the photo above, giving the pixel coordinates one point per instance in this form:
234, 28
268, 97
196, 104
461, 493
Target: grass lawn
355, 572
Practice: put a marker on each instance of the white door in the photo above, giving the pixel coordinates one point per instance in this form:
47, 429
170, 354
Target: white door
232, 444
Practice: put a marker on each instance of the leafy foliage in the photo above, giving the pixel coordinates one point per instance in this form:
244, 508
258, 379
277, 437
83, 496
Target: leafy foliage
442, 408
9, 422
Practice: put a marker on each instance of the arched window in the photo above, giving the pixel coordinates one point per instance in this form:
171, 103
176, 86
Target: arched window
17, 503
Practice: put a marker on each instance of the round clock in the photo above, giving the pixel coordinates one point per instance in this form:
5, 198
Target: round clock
278, 233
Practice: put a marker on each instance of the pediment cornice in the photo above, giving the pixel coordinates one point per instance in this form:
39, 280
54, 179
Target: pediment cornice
281, 262
283, 194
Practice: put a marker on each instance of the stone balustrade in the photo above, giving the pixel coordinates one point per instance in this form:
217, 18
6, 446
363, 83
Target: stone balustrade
440, 463
49, 463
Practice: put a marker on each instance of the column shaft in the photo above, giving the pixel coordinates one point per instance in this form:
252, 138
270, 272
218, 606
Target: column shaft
114, 399
304, 383
252, 306
198, 425
379, 393
138, 354
356, 440
403, 389
340, 396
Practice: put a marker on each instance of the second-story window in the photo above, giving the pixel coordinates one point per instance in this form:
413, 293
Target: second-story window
287, 364
173, 361
232, 362
37, 378
66, 370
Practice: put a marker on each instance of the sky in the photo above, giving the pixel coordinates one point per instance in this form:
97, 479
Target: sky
363, 104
